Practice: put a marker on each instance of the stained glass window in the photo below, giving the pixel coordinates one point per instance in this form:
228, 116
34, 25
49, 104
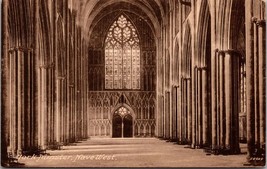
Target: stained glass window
122, 56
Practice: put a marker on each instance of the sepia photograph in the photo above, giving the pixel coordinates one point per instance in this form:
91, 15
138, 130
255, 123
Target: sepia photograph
133, 83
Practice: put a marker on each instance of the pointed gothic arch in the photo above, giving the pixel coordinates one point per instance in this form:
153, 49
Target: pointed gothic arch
122, 123
122, 55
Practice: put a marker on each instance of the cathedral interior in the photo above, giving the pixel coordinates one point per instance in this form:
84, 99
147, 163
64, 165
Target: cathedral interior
188, 72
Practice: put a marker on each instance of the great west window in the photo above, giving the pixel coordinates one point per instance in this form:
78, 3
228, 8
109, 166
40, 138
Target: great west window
122, 56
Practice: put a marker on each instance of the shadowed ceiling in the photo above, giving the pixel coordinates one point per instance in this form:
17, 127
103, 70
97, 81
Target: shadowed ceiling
91, 11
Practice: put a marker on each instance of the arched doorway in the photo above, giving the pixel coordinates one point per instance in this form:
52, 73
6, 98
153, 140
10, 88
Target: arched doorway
128, 126
117, 126
122, 123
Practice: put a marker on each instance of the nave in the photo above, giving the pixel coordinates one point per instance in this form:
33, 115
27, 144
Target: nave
133, 152
189, 72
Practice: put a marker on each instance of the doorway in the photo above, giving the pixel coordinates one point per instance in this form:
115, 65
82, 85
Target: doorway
122, 123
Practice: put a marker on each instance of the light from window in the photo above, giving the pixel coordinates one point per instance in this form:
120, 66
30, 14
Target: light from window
122, 111
122, 56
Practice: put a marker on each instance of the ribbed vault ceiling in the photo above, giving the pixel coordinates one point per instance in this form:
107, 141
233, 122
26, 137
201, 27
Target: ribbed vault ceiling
90, 11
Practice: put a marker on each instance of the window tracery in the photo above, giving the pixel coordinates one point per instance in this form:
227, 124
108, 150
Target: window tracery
122, 56
122, 111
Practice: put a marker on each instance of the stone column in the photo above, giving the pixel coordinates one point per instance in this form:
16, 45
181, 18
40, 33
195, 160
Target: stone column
5, 86
262, 81
182, 112
71, 116
83, 119
205, 106
52, 110
179, 109
64, 69
256, 82
193, 59
180, 115
29, 125
51, 87
199, 106
75, 94
59, 114
194, 108
213, 74
164, 78
232, 106
67, 41
176, 112
218, 94
171, 61
189, 111
71, 128
63, 108
21, 99
179, 91
165, 116
13, 100
36, 76
167, 112
228, 100
48, 118
44, 107
214, 105
185, 125
184, 115
250, 78
222, 97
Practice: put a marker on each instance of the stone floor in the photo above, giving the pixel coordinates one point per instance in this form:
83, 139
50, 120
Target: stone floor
132, 152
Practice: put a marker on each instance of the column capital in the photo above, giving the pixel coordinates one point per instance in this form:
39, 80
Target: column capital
71, 85
229, 51
185, 3
199, 68
176, 86
232, 52
261, 23
47, 66
185, 78
61, 77
188, 78
219, 51
254, 19
204, 68
20, 48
